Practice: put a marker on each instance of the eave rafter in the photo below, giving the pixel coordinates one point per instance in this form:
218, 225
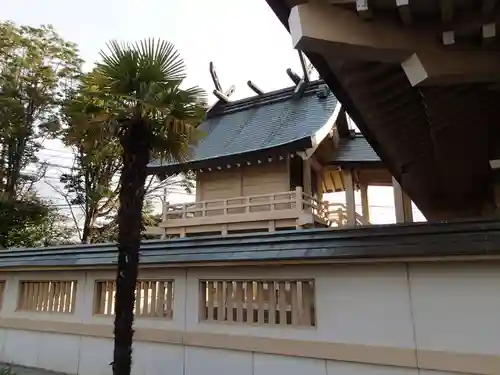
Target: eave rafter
404, 11
339, 33
489, 28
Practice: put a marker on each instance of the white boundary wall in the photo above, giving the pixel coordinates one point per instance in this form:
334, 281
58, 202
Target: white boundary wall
372, 319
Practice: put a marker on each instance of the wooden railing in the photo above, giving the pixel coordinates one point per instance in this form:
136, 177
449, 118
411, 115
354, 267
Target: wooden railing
337, 216
255, 203
237, 205
290, 205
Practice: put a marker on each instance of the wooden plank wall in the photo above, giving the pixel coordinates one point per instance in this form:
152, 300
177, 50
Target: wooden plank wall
265, 178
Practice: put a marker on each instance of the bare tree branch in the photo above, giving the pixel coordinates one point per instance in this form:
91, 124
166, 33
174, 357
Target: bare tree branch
70, 207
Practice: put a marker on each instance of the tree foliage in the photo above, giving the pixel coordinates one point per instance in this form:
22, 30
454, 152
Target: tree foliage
37, 68
32, 223
108, 232
92, 184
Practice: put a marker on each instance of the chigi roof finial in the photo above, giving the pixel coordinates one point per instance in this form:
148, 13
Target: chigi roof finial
255, 88
218, 92
301, 83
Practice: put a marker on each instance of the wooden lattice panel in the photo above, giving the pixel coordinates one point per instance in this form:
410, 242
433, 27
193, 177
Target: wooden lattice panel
47, 296
154, 298
262, 302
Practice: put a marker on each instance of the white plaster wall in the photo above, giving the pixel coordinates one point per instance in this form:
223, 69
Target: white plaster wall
362, 304
456, 307
158, 359
446, 307
11, 294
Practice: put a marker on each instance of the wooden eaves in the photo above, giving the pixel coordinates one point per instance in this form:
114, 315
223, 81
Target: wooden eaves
435, 131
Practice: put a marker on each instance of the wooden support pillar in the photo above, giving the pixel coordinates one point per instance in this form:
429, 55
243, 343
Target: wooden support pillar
402, 204
198, 187
319, 185
364, 202
306, 164
350, 197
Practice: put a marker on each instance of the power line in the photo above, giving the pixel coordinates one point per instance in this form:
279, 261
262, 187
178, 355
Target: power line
54, 150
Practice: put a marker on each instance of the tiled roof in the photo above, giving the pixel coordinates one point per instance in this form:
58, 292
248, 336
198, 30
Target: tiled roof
375, 242
354, 150
259, 123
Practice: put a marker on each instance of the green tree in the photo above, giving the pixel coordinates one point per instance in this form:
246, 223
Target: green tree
108, 232
33, 223
91, 185
154, 117
37, 68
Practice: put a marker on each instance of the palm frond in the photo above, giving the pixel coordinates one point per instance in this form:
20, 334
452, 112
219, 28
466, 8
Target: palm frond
143, 82
161, 56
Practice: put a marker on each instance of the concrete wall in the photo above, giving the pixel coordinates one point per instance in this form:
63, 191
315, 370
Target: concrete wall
393, 319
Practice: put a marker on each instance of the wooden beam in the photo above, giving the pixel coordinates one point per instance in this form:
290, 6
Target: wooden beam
341, 123
364, 202
448, 34
424, 69
337, 33
404, 11
363, 10
489, 31
488, 6
307, 181
316, 165
350, 197
402, 204
446, 12
448, 37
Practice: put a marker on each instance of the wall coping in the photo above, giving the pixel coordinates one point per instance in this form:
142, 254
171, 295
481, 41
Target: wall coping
424, 241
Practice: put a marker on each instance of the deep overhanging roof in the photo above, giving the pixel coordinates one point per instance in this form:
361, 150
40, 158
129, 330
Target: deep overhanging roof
435, 136
274, 123
376, 243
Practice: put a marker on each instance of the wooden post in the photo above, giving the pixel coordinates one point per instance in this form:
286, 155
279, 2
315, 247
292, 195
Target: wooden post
307, 182
199, 192
164, 211
364, 202
350, 199
319, 184
298, 198
402, 204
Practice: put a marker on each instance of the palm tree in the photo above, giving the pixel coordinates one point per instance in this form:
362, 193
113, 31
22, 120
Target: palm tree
155, 117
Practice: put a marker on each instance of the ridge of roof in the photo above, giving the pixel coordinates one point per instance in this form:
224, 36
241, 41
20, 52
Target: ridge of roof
264, 99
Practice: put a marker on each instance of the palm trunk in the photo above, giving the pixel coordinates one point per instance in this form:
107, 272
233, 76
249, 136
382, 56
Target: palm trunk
135, 143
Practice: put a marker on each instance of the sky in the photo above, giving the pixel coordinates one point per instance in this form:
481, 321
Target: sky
244, 39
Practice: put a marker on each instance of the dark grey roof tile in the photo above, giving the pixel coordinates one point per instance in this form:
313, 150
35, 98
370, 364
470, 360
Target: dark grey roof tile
354, 150
259, 123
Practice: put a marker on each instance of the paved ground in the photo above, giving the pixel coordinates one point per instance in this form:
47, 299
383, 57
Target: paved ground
9, 369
